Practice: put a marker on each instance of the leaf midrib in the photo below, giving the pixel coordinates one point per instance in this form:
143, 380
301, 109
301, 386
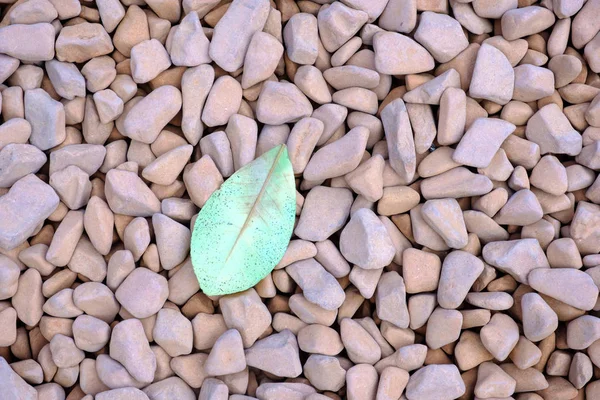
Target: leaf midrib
256, 201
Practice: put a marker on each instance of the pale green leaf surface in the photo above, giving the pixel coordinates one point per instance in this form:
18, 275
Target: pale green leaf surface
244, 228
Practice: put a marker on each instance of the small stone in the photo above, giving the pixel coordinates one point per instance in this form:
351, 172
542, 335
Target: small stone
319, 339
470, 351
338, 24
571, 286
435, 382
582, 332
19, 160
492, 382
301, 38
146, 119
66, 79
127, 194
278, 390
361, 382
173, 332
398, 133
88, 157
522, 208
324, 212
516, 257
281, 102
532, 83
172, 386
98, 222
97, 300
445, 217
525, 354
90, 333
552, 131
223, 101
443, 327
563, 253
15, 41
324, 372
47, 119
459, 271
129, 346
500, 336
525, 21
318, 285
72, 185
365, 241
172, 240
396, 54
64, 352
226, 356
189, 45
264, 53
122, 394
143, 292
431, 91
234, 31
245, 312
391, 300
276, 354
359, 344
9, 277
217, 146
82, 42
481, 142
13, 386
108, 104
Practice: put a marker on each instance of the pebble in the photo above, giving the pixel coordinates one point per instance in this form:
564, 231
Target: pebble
145, 120
246, 313
173, 332
264, 53
553, 132
435, 381
82, 42
324, 372
280, 103
129, 346
323, 201
492, 382
143, 292
234, 31
459, 271
267, 354
338, 23
390, 300
445, 217
500, 336
396, 54
361, 382
481, 142
47, 119
374, 248
127, 194
441, 35
90, 333
223, 101
15, 43
226, 356
568, 285
318, 285
189, 45
520, 22
516, 257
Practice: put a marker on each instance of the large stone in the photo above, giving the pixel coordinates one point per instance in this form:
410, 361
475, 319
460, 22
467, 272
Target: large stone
585, 228
553, 132
47, 119
16, 41
435, 382
276, 354
516, 257
365, 241
396, 54
12, 386
234, 31
569, 285
27, 204
127, 194
82, 42
399, 136
481, 142
129, 346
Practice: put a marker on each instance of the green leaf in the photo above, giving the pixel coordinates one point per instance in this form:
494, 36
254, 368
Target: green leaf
244, 228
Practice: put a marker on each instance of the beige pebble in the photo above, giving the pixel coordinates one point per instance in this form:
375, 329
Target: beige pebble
338, 23
396, 54
517, 23
129, 346
150, 115
324, 372
97, 300
516, 257
233, 32
500, 336
441, 35
568, 285
492, 381
142, 300
459, 271
431, 91
365, 227
445, 217
127, 194
246, 313
400, 141
435, 380
320, 201
456, 183
82, 42
497, 86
